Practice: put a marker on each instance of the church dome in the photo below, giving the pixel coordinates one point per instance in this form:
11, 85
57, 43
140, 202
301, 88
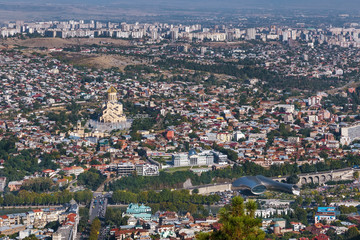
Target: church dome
192, 152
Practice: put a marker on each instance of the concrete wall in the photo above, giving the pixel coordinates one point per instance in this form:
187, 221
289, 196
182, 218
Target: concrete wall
205, 190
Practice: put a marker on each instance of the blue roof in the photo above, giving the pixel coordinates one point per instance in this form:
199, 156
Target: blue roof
192, 152
326, 209
136, 208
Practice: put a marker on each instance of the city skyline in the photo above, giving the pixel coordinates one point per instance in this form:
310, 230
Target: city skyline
180, 120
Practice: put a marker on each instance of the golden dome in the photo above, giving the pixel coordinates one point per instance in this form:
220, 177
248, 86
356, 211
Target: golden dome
112, 90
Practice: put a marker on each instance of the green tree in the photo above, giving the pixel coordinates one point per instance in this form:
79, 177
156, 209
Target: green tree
31, 237
238, 222
319, 199
352, 234
293, 179
113, 216
38, 184
195, 191
84, 217
301, 215
91, 179
299, 201
95, 229
328, 200
356, 175
307, 201
333, 235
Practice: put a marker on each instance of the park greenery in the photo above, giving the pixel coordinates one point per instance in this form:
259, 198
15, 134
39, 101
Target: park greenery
176, 179
248, 71
113, 217
92, 179
177, 200
24, 198
38, 185
24, 162
221, 68
84, 217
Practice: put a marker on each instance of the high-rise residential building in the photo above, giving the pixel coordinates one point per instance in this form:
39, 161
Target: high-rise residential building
250, 33
285, 36
174, 34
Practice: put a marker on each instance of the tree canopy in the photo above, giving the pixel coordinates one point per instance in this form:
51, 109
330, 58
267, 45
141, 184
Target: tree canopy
238, 222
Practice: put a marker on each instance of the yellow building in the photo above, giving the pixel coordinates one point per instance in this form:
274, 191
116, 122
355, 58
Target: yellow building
112, 109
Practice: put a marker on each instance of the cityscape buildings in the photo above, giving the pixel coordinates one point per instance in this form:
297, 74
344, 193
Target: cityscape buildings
168, 129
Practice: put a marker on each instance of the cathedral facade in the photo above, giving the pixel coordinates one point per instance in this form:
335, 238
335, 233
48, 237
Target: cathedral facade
112, 109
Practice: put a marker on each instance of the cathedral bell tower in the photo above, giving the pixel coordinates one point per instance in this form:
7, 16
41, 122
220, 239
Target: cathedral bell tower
112, 94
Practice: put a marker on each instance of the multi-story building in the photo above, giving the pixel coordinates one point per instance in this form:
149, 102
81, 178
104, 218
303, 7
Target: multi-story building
351, 132
201, 159
125, 169
193, 158
220, 158
147, 170
180, 159
138, 211
38, 218
73, 170
326, 214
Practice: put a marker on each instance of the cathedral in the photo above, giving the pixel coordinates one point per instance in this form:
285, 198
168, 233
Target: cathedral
112, 109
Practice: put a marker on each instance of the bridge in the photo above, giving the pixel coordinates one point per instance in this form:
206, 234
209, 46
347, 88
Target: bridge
322, 177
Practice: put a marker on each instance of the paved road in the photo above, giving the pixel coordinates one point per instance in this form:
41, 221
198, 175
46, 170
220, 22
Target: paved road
98, 206
104, 232
98, 209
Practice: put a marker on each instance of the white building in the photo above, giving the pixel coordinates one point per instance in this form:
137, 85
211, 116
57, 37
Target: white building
350, 133
147, 170
180, 159
287, 107
238, 135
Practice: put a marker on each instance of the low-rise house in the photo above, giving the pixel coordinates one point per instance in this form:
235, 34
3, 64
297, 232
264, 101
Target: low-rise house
15, 185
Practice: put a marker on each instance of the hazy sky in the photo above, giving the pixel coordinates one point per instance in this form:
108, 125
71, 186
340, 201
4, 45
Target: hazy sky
116, 9
325, 4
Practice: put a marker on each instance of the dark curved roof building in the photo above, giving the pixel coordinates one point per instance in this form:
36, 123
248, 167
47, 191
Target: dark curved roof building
259, 184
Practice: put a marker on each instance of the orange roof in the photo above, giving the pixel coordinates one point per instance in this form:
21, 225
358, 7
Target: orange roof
71, 217
168, 225
318, 225
71, 168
